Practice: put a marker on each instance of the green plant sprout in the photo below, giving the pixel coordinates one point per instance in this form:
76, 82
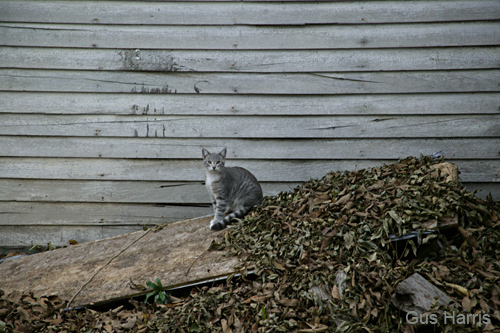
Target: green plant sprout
263, 311
161, 297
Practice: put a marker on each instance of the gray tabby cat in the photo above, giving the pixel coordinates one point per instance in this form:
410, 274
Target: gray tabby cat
233, 190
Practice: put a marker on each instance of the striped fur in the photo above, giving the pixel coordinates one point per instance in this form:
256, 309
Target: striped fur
233, 190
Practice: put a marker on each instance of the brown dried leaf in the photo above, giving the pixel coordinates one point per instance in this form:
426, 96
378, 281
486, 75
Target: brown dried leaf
225, 327
466, 304
130, 323
279, 266
24, 314
494, 216
335, 292
108, 328
484, 306
343, 200
289, 302
257, 299
316, 328
321, 197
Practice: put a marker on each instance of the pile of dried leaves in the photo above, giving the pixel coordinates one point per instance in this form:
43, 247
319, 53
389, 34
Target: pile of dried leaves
35, 313
328, 257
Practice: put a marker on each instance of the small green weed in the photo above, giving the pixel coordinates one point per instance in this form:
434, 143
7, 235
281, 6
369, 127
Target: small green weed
40, 248
160, 296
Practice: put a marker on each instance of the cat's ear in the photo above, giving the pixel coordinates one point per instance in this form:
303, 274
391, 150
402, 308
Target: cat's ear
223, 153
204, 152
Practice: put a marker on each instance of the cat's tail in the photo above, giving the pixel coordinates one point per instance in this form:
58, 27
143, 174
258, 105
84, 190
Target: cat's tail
237, 214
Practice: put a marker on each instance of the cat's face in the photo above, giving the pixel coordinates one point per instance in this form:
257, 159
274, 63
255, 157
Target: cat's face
214, 161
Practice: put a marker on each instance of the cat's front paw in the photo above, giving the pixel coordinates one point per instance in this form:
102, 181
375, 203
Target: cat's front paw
217, 224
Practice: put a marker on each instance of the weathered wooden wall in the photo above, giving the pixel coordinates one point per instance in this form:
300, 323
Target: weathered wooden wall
105, 105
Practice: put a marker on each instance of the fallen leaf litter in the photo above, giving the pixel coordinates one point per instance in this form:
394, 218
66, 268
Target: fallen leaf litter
328, 256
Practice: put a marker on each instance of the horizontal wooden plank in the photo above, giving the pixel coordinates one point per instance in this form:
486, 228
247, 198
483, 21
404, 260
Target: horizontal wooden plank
116, 215
177, 255
190, 193
314, 127
485, 189
63, 214
173, 148
25, 237
172, 104
250, 83
91, 214
251, 37
143, 192
189, 13
251, 61
192, 170
103, 191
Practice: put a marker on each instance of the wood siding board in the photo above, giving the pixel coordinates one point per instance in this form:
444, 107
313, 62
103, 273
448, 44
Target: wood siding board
21, 236
234, 13
200, 104
25, 236
253, 126
91, 214
118, 215
143, 192
190, 170
245, 83
485, 189
16, 237
276, 149
105, 106
251, 61
138, 192
252, 37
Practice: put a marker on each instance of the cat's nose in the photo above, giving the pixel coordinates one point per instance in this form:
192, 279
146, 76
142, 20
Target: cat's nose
213, 167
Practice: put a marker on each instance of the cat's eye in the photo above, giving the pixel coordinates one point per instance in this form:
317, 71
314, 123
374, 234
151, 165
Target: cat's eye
218, 162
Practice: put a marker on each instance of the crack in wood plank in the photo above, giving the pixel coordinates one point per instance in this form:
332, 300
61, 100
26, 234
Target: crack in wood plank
343, 78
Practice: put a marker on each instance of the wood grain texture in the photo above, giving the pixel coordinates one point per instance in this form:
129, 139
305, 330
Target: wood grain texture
251, 37
245, 83
215, 105
485, 189
236, 61
416, 294
25, 237
92, 214
143, 192
105, 106
29, 224
191, 170
166, 127
141, 256
136, 192
258, 149
235, 13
